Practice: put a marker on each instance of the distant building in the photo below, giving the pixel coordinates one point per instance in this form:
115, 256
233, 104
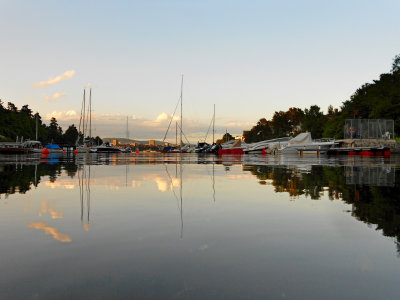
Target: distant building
152, 142
166, 144
114, 142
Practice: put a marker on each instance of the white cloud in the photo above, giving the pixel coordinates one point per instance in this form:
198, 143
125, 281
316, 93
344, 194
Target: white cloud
54, 97
66, 75
69, 115
161, 117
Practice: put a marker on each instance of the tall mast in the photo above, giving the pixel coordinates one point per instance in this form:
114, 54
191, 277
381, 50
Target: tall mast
176, 133
36, 127
181, 110
84, 107
213, 123
90, 114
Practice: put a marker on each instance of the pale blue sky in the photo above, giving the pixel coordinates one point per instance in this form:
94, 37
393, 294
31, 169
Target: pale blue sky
250, 58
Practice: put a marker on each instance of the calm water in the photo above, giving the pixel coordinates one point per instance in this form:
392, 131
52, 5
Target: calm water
199, 227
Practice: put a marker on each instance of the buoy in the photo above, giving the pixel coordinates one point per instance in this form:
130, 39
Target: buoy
45, 151
137, 151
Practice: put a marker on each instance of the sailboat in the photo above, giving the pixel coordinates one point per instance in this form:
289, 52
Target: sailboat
181, 148
84, 147
204, 147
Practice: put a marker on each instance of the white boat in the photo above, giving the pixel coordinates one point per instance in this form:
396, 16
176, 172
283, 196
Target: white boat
105, 148
267, 146
305, 144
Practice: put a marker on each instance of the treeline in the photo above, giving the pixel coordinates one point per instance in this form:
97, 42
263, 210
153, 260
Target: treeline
377, 100
20, 123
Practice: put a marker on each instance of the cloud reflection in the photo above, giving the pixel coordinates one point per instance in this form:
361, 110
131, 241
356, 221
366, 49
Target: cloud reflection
53, 231
46, 208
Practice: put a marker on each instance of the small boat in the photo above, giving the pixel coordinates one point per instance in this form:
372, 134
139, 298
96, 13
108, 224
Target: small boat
52, 148
232, 147
267, 146
202, 147
105, 148
303, 143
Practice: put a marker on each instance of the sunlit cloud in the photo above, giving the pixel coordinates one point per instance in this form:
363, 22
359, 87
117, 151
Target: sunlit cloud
89, 85
244, 125
161, 117
50, 81
54, 97
53, 231
69, 115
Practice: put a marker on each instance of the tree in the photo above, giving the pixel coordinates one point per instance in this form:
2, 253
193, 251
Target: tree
98, 140
314, 121
71, 135
54, 131
12, 107
396, 64
225, 138
26, 110
281, 124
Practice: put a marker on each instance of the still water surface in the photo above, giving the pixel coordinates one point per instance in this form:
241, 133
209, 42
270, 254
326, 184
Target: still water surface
199, 227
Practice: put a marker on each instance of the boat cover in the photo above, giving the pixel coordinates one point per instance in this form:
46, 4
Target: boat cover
302, 138
52, 146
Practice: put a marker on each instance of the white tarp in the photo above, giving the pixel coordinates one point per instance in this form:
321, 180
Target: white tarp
302, 138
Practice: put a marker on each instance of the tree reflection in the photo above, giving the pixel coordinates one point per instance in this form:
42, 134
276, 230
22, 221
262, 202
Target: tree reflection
19, 177
379, 205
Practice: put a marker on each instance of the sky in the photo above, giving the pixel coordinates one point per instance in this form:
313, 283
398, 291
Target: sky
249, 58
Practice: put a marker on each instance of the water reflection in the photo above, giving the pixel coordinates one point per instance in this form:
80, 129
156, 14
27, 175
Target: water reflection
53, 231
181, 225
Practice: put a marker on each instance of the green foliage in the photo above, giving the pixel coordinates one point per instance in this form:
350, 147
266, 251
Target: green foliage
22, 123
314, 121
71, 135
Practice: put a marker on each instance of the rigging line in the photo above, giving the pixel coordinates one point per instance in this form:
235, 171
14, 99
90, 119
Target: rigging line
80, 122
184, 134
80, 194
208, 130
87, 118
172, 117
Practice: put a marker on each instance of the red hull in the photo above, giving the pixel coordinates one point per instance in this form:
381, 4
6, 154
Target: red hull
230, 151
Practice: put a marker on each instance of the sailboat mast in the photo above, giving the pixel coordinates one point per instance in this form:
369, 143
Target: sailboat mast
84, 107
176, 133
36, 126
213, 123
90, 114
181, 109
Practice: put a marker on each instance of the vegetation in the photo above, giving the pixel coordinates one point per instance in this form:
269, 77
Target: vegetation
20, 123
377, 100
